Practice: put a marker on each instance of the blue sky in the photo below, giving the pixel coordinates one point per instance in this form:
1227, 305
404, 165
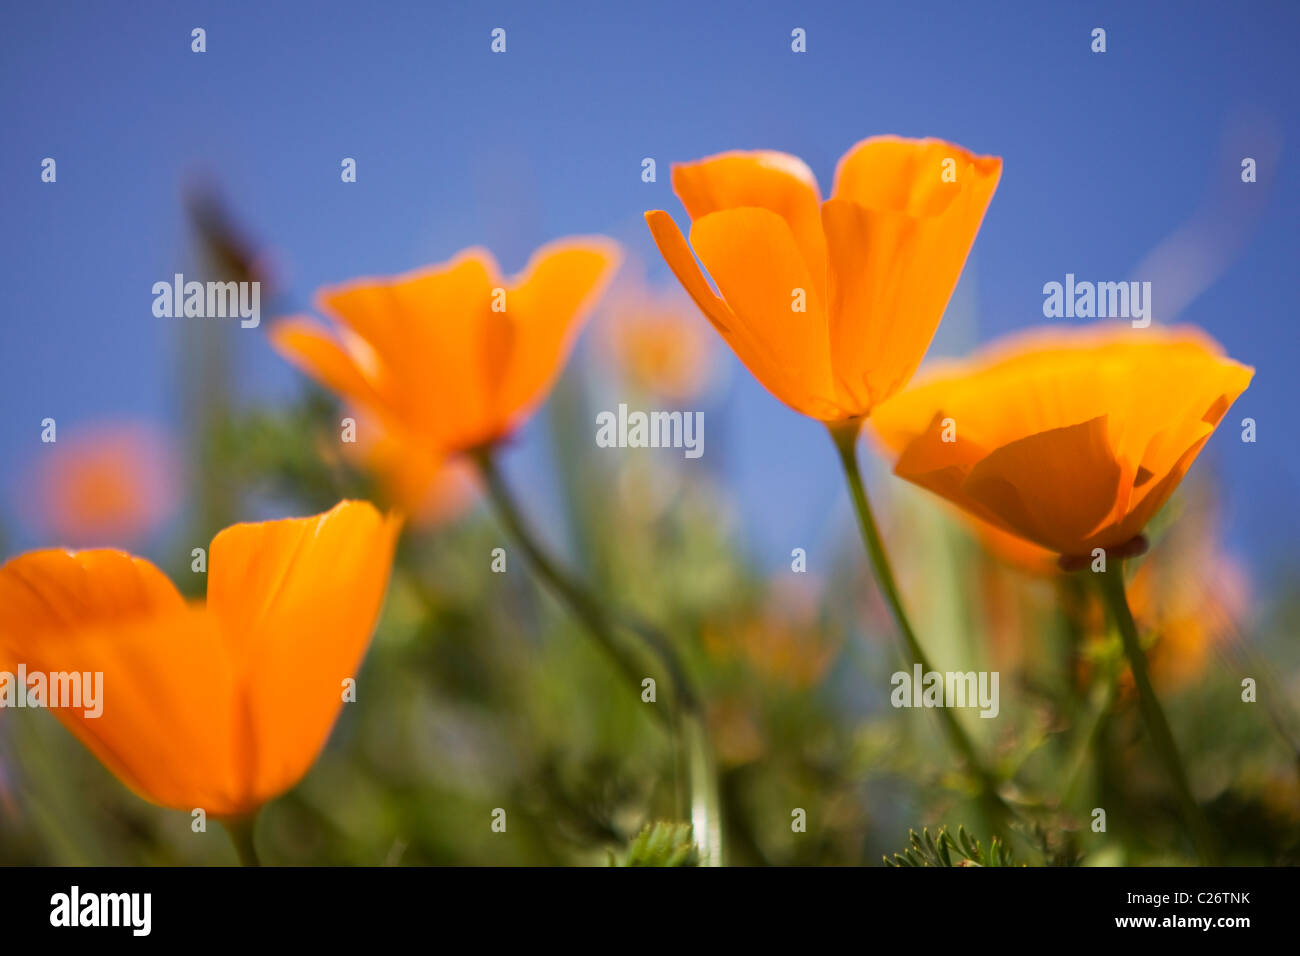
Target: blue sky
1106, 155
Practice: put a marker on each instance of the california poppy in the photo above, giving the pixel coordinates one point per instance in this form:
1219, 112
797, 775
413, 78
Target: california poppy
115, 482
657, 342
1069, 439
429, 487
453, 357
831, 305
219, 706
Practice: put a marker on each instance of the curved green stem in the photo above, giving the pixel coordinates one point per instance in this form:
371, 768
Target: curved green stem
689, 720
1153, 715
845, 437
241, 835
587, 610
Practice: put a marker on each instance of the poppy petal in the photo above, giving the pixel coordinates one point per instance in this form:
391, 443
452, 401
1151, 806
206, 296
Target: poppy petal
672, 245
887, 287
548, 305
311, 348
898, 232
911, 176
163, 665
1054, 487
752, 257
297, 600
446, 309
935, 463
764, 179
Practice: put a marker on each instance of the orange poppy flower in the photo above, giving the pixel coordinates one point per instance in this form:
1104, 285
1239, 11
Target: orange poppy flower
427, 486
116, 482
220, 706
831, 305
1188, 615
453, 356
1069, 439
657, 342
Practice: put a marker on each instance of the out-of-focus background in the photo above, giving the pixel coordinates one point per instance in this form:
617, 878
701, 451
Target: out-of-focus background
479, 692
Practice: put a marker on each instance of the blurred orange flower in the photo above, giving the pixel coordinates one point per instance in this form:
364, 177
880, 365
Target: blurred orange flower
1069, 439
657, 342
454, 356
116, 482
1189, 615
220, 707
831, 305
428, 487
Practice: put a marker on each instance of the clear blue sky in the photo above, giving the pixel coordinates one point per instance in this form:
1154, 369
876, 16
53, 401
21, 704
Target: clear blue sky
1105, 156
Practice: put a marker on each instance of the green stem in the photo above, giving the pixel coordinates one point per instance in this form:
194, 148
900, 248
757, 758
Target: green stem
689, 720
845, 438
587, 610
706, 796
241, 835
1153, 715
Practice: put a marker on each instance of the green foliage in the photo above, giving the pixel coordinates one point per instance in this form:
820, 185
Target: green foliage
947, 850
662, 844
